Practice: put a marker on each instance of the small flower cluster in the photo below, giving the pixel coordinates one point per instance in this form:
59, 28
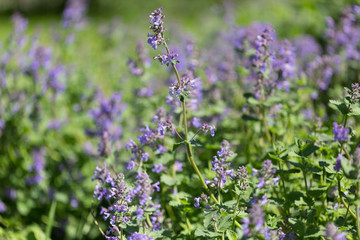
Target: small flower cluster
151, 138
260, 61
346, 35
337, 166
167, 58
203, 198
206, 127
340, 133
120, 197
74, 13
221, 166
354, 93
254, 225
156, 19
284, 65
266, 174
106, 118
37, 168
242, 177
186, 85
136, 66
332, 232
139, 236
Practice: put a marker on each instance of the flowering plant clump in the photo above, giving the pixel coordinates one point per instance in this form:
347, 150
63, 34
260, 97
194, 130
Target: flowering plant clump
236, 133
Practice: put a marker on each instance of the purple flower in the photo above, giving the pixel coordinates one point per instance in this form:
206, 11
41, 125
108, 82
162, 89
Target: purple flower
167, 58
340, 133
104, 145
54, 125
139, 212
197, 203
158, 168
156, 19
178, 166
354, 93
138, 236
2, 207
74, 13
332, 232
254, 224
221, 166
337, 166
133, 68
266, 174
130, 165
56, 75
205, 128
37, 168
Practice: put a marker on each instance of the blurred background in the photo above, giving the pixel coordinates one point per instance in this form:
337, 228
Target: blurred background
290, 17
95, 57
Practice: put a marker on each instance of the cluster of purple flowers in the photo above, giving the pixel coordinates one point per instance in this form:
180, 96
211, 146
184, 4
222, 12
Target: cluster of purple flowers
266, 174
322, 70
346, 35
120, 197
206, 127
138, 236
340, 133
152, 138
221, 166
166, 58
332, 232
203, 198
354, 93
337, 166
156, 19
254, 225
106, 118
74, 13
186, 85
136, 66
37, 168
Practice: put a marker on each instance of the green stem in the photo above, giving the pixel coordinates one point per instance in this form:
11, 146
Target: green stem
343, 201
357, 209
305, 180
188, 146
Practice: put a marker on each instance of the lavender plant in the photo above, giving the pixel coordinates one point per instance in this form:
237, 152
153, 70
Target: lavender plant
242, 135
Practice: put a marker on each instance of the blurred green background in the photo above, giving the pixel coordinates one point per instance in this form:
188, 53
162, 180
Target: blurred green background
290, 17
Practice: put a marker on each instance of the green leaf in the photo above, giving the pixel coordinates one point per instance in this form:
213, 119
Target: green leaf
297, 225
273, 157
169, 181
196, 143
176, 145
231, 235
51, 219
208, 218
354, 112
308, 149
340, 106
253, 101
225, 222
205, 233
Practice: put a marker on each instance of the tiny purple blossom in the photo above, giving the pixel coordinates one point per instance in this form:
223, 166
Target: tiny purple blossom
340, 133
158, 168
337, 166
205, 128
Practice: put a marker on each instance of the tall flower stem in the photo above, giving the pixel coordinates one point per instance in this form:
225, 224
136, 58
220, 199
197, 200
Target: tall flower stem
343, 201
357, 210
189, 151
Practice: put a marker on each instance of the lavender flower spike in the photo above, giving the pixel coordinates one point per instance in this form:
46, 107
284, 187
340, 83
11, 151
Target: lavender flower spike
340, 133
156, 19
